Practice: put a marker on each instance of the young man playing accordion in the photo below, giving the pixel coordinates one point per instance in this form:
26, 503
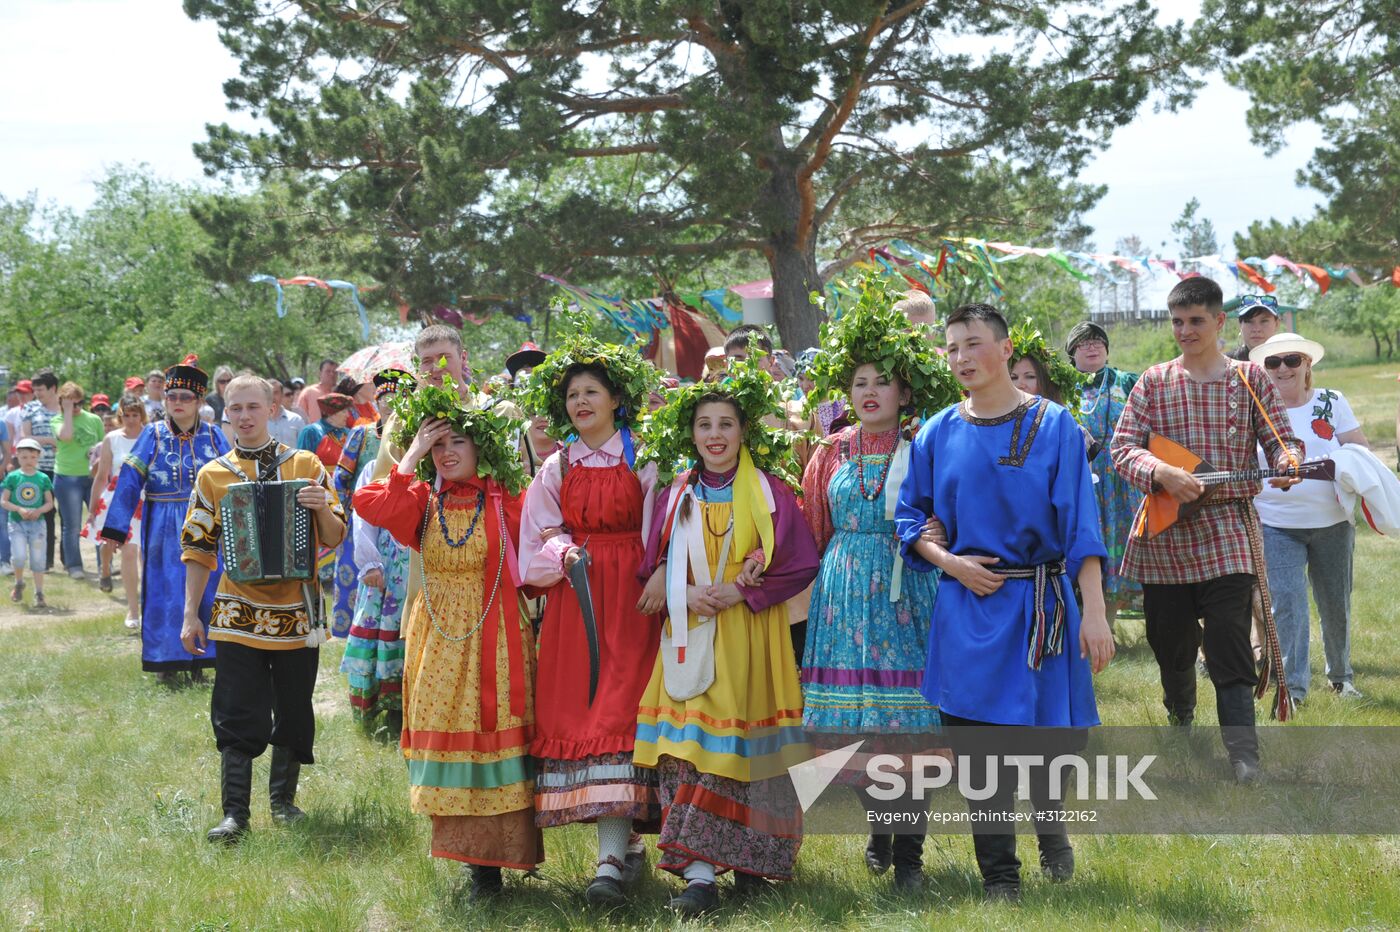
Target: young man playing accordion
270, 507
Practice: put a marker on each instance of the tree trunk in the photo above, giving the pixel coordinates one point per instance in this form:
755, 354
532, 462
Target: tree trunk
1389, 347
1375, 338
792, 260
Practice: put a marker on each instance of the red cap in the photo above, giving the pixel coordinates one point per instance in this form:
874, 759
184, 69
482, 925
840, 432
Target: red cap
100, 401
135, 383
24, 385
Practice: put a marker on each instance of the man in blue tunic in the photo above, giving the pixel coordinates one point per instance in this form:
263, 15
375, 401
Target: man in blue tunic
1006, 474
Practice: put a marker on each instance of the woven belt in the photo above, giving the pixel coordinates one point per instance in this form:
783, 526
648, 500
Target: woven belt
1046, 640
168, 497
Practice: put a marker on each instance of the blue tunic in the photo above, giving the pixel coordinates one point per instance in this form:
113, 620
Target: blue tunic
161, 467
1018, 488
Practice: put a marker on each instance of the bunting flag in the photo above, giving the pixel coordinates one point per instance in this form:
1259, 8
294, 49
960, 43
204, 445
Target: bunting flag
329, 285
1255, 278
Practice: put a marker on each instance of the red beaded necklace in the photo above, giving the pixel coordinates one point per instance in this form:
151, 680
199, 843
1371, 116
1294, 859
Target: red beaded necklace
860, 467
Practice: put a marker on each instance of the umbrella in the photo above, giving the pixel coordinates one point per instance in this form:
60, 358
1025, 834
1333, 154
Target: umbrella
364, 363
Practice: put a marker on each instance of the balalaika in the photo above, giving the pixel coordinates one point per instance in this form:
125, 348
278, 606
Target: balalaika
267, 533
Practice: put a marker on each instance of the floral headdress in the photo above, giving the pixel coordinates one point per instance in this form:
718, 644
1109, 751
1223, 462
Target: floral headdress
874, 332
669, 438
1026, 341
633, 377
493, 432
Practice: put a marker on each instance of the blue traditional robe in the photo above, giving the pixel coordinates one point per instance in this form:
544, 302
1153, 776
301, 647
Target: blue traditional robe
161, 467
359, 451
1018, 488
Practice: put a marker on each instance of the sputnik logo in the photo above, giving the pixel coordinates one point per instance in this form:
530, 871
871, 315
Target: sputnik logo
811, 778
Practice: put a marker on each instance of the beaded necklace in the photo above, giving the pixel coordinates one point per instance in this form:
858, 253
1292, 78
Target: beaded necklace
860, 467
722, 486
495, 586
471, 529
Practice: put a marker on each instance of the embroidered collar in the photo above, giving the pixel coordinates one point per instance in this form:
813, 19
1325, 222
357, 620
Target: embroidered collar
1015, 413
182, 435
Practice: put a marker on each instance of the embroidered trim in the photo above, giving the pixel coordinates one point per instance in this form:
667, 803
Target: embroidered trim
1014, 414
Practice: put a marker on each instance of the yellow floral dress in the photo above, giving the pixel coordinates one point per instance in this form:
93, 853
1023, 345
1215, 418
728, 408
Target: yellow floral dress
468, 682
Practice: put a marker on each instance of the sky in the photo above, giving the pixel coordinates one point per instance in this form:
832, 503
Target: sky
77, 101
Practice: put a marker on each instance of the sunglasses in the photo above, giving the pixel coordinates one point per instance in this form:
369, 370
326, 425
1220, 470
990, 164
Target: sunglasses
1292, 361
180, 397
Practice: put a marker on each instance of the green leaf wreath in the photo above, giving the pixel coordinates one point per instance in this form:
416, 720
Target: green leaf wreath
668, 439
493, 432
1026, 340
874, 332
633, 377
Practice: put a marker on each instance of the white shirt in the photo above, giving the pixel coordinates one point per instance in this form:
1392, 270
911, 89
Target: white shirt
1311, 503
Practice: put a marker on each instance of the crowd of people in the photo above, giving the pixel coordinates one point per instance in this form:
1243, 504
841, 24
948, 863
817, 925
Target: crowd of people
558, 627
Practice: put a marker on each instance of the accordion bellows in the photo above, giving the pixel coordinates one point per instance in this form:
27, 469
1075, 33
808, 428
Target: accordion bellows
267, 534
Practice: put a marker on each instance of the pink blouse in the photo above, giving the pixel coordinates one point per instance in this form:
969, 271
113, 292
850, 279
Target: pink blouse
542, 561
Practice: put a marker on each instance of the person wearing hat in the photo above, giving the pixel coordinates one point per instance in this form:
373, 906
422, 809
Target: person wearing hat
28, 496
1101, 402
155, 483
1258, 317
326, 437
1308, 536
76, 432
523, 361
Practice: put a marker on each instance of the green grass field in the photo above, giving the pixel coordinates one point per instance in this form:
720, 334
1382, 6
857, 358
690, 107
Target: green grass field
109, 783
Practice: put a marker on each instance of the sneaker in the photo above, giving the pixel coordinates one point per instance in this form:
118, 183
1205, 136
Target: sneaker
1347, 691
105, 584
6, 569
132, 623
39, 600
17, 593
76, 572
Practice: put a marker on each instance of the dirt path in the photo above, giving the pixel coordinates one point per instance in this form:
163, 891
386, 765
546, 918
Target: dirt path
69, 600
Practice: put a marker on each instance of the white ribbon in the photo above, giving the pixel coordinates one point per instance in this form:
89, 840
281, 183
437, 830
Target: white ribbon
687, 551
899, 468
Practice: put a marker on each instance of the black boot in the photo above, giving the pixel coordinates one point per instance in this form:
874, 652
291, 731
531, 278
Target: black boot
393, 724
236, 781
282, 786
1179, 695
908, 863
879, 853
1235, 706
1001, 869
1056, 855
486, 882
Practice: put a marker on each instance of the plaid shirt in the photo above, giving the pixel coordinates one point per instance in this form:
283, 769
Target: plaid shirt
1219, 422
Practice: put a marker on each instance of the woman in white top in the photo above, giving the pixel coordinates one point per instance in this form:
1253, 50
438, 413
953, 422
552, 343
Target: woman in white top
1304, 527
112, 451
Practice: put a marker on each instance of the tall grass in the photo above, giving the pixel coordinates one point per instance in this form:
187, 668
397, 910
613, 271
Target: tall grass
108, 783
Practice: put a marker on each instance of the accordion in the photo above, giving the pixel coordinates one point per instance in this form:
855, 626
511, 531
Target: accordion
266, 533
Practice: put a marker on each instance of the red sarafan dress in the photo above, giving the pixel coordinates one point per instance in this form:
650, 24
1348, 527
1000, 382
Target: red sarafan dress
585, 750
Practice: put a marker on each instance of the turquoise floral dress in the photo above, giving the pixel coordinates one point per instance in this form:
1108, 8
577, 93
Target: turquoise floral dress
864, 657
1102, 403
